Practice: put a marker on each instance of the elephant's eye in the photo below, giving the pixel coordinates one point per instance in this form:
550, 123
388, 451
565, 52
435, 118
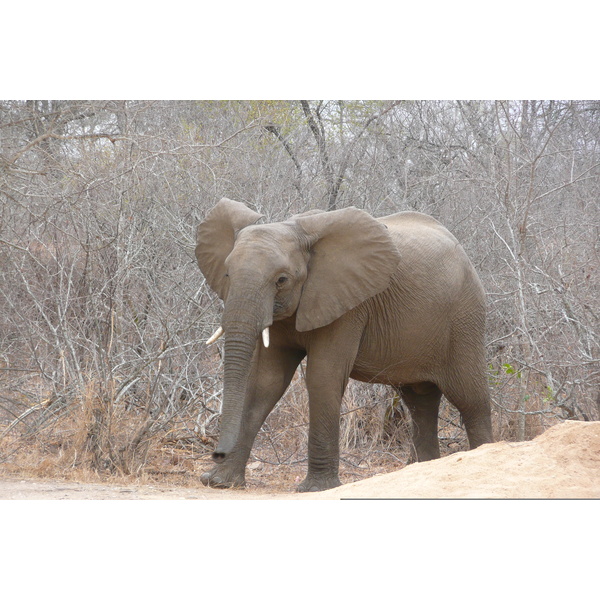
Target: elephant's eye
282, 280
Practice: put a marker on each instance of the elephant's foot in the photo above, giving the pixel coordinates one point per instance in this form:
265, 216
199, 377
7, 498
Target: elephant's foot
314, 483
221, 477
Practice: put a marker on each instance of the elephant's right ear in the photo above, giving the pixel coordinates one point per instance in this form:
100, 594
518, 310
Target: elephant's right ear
215, 239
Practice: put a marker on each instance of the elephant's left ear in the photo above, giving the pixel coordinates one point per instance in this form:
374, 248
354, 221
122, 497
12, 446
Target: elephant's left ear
352, 257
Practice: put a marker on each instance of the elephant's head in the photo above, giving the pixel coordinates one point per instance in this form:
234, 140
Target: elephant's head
316, 266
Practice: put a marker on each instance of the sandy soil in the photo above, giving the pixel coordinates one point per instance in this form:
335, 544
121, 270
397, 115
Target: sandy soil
563, 462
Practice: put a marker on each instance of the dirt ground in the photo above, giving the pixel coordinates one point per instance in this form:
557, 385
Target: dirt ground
563, 462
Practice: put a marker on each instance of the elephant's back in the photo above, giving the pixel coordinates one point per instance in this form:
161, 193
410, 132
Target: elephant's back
410, 223
433, 265
422, 240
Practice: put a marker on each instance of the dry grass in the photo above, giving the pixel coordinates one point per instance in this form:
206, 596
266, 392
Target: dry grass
96, 439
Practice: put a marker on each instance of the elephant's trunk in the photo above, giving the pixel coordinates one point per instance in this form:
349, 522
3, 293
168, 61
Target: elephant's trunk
238, 359
244, 319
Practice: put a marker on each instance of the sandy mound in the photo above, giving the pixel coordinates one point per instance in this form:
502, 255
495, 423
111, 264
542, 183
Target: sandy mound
563, 462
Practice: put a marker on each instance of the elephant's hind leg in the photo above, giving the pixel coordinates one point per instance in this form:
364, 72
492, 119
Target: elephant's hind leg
423, 401
470, 396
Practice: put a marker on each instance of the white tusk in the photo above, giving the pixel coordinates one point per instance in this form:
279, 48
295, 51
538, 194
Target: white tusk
265, 337
215, 336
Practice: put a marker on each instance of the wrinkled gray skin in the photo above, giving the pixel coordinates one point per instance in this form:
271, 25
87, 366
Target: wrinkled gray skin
393, 300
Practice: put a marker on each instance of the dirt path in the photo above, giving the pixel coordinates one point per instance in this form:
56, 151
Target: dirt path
50, 489
563, 462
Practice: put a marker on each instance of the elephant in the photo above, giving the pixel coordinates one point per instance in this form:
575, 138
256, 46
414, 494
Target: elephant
391, 300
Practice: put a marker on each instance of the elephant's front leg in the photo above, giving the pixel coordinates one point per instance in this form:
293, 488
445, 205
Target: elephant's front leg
323, 441
272, 371
327, 374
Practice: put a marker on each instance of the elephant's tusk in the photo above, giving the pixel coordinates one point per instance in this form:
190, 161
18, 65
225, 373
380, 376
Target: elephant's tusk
265, 337
215, 336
